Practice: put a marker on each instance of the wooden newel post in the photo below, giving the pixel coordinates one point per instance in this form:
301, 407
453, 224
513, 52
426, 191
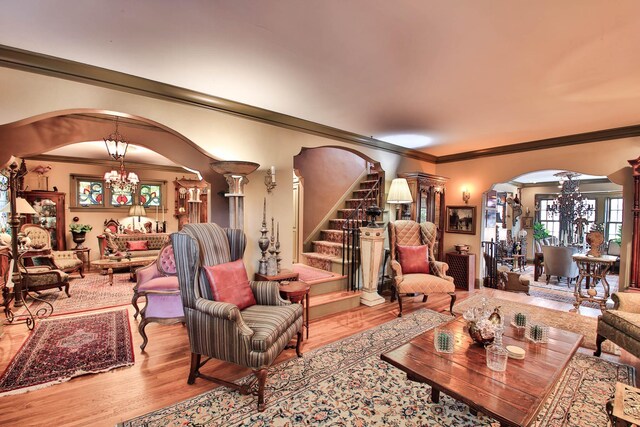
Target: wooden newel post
371, 249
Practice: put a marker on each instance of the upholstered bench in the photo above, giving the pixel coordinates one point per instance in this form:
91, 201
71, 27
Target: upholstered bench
127, 242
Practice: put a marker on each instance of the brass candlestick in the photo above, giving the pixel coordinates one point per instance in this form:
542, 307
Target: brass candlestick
263, 242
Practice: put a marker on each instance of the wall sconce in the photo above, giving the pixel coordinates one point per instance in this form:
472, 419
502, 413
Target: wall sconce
270, 179
399, 194
466, 195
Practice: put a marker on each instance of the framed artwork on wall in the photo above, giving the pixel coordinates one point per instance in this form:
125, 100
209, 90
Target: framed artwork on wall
527, 222
461, 219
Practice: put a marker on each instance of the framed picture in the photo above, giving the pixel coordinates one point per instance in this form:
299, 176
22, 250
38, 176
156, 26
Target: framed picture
491, 217
527, 222
461, 219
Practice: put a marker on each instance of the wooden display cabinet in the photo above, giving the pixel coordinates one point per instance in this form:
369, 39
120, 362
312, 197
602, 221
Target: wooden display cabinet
428, 192
50, 208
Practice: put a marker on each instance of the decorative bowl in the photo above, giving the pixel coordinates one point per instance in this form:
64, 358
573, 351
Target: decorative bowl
462, 249
476, 335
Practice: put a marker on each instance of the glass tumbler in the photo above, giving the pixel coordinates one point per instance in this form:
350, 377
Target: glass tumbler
497, 358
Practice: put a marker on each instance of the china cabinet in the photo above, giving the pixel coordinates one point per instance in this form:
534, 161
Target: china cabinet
428, 192
50, 213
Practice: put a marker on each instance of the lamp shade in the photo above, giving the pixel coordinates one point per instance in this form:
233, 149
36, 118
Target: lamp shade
22, 207
399, 192
137, 210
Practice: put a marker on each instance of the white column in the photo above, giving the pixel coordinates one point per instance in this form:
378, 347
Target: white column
371, 250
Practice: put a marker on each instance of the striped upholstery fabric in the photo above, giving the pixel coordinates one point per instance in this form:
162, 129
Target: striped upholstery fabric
253, 337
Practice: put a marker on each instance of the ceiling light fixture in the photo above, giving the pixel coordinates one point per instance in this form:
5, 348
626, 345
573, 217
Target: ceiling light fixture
119, 181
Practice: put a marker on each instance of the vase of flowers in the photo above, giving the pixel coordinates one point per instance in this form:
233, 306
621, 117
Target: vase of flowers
78, 233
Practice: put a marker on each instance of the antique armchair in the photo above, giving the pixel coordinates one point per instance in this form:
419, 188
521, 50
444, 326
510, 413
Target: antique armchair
558, 261
66, 261
158, 283
251, 337
621, 325
428, 278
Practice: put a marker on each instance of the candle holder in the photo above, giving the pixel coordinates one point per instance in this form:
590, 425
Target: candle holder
277, 249
270, 179
263, 241
164, 226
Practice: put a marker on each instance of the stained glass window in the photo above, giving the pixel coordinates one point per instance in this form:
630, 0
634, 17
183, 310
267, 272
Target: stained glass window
121, 199
90, 193
150, 195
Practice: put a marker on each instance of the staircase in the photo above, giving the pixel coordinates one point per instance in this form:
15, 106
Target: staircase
337, 260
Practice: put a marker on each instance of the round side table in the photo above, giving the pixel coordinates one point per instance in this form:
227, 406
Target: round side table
297, 292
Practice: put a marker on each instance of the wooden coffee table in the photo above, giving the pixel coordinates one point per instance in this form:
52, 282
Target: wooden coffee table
110, 264
513, 397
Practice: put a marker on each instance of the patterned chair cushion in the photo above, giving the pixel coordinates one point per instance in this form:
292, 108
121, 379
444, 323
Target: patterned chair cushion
624, 321
269, 323
229, 283
413, 259
66, 263
166, 262
425, 284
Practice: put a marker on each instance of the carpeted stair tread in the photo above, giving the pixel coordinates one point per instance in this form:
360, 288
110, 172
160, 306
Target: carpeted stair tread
332, 297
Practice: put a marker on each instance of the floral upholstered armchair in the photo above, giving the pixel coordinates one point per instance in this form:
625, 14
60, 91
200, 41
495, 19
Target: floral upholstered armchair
66, 261
413, 266
252, 330
621, 325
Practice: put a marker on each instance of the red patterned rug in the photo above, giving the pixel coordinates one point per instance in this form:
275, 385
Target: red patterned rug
60, 349
91, 293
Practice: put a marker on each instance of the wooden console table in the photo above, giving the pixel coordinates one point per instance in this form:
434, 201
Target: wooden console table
591, 270
298, 292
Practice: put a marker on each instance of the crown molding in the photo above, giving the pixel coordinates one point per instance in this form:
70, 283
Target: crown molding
107, 163
75, 71
542, 144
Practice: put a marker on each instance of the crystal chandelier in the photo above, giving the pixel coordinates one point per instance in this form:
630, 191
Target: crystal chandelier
119, 181
572, 208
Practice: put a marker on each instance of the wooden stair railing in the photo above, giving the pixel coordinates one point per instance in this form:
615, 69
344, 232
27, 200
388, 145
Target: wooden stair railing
351, 234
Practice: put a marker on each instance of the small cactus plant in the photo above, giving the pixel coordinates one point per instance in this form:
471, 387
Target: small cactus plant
520, 320
444, 341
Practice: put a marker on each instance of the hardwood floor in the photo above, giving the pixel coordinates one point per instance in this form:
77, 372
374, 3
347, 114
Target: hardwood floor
159, 376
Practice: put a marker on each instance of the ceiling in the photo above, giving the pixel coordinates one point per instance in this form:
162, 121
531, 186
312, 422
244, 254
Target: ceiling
461, 75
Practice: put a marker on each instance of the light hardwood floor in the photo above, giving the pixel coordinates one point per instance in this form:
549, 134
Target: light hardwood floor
159, 375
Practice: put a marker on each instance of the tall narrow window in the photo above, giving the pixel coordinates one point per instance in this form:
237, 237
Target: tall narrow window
613, 217
550, 220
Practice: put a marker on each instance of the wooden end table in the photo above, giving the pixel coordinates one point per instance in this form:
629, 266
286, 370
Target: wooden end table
591, 270
284, 275
85, 255
625, 397
513, 397
298, 292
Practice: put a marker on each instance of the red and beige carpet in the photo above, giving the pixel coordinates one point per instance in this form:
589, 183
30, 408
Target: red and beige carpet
345, 383
91, 293
59, 349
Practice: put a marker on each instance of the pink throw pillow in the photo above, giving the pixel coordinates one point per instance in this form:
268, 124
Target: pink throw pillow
413, 259
229, 283
137, 245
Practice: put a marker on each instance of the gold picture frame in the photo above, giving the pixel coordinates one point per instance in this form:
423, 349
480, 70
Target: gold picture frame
461, 219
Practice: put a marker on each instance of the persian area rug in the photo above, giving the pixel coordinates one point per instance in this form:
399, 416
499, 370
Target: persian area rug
91, 293
60, 349
559, 296
574, 322
345, 383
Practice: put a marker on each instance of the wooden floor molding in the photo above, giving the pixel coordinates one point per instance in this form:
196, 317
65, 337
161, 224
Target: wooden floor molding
159, 376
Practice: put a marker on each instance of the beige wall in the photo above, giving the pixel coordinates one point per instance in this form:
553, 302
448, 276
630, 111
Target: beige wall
607, 158
223, 136
327, 174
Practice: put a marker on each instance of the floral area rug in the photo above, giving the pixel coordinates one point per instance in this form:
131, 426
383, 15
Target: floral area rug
568, 321
560, 297
91, 293
346, 384
60, 349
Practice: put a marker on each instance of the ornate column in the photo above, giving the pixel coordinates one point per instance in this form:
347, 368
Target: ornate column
235, 173
634, 275
371, 249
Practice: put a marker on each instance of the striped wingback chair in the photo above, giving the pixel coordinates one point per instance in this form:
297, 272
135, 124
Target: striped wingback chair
404, 233
253, 337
